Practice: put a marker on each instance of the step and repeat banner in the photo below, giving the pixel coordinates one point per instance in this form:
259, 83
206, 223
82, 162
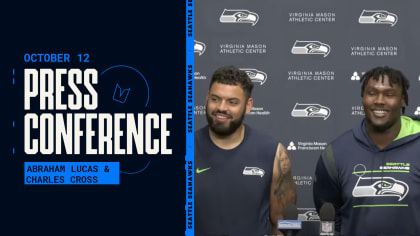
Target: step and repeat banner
301, 55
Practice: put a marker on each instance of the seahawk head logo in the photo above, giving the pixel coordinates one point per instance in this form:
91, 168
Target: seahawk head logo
199, 47
311, 110
239, 16
378, 17
311, 47
253, 171
380, 187
255, 75
309, 216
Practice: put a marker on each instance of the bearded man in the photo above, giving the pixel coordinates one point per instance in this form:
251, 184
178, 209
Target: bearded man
243, 177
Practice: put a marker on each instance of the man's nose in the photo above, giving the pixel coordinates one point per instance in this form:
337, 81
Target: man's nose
222, 105
379, 99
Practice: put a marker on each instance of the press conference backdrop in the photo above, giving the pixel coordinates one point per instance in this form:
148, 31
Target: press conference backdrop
306, 58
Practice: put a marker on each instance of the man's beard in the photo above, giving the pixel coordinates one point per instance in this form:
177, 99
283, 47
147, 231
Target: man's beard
219, 128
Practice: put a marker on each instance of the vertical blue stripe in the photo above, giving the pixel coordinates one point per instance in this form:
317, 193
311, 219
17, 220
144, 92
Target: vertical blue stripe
189, 157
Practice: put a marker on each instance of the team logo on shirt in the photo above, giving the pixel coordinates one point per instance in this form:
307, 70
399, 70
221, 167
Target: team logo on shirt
379, 186
253, 171
378, 17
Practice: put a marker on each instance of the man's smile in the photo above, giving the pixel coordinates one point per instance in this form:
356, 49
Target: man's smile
379, 112
221, 117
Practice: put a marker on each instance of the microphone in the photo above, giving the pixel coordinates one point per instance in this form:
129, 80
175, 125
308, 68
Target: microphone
327, 217
290, 225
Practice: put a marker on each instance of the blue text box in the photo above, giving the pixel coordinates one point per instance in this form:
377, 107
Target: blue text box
73, 173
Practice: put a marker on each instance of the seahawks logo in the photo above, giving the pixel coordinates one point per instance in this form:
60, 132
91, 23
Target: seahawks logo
311, 110
378, 17
380, 187
239, 16
311, 47
199, 47
255, 75
253, 171
309, 216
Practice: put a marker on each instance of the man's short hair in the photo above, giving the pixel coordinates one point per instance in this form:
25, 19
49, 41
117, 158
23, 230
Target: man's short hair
395, 77
233, 76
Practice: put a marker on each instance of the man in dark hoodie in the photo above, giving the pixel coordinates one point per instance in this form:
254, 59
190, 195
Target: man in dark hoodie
371, 174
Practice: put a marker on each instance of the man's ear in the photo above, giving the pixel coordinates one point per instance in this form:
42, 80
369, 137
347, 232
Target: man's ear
207, 96
403, 101
249, 104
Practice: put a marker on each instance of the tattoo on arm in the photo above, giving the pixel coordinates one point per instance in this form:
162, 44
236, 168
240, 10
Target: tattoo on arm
285, 186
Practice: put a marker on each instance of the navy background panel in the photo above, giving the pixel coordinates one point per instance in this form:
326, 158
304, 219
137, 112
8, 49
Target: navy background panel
147, 35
